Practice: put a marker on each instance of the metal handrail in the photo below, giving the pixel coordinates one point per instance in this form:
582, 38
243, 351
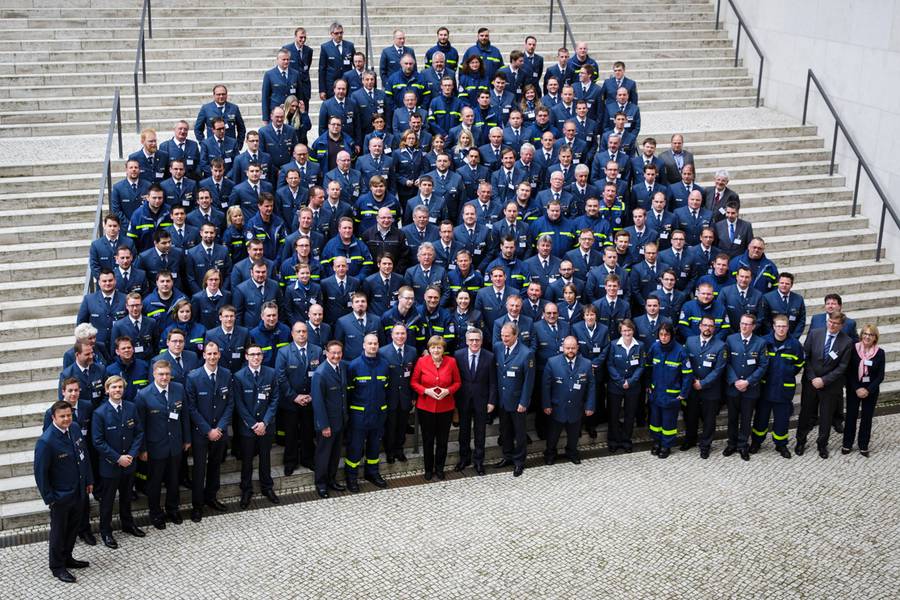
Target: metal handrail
141, 58
366, 30
115, 121
737, 47
567, 29
861, 162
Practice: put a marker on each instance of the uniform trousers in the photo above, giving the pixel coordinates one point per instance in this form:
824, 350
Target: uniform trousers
395, 431
250, 445
854, 403
663, 424
121, 484
512, 430
328, 456
299, 433
65, 520
782, 416
624, 407
555, 429
695, 409
208, 457
163, 471
360, 438
740, 413
472, 425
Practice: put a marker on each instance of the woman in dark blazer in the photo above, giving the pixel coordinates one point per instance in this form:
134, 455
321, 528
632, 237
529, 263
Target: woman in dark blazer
864, 376
435, 379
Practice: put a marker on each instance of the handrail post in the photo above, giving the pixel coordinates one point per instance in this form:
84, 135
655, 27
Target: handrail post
880, 232
119, 122
143, 59
550, 30
362, 22
137, 104
718, 10
833, 147
759, 81
806, 96
856, 187
737, 45
149, 21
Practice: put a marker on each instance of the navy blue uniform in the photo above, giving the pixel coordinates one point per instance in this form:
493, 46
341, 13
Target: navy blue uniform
256, 400
624, 365
210, 404
294, 367
670, 383
747, 361
568, 390
786, 360
708, 363
116, 431
367, 382
329, 402
515, 381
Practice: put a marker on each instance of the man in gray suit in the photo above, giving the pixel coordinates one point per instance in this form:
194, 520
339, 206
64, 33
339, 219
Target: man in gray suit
827, 356
674, 158
733, 233
717, 196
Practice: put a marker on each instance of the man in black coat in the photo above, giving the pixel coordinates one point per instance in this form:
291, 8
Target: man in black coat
479, 388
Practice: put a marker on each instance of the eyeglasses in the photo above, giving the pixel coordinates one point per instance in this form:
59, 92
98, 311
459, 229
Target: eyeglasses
254, 354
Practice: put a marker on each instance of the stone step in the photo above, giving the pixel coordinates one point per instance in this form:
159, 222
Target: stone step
82, 199
24, 272
808, 226
710, 163
790, 211
796, 196
845, 269
29, 233
703, 148
817, 288
47, 250
822, 243
62, 216
50, 183
729, 136
42, 288
861, 301
791, 259
36, 329
773, 184
62, 306
744, 172
43, 391
36, 349
23, 372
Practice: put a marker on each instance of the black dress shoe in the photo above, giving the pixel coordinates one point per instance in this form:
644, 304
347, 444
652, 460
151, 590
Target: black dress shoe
550, 460
429, 475
823, 452
864, 453
518, 471
575, 460
216, 505
729, 450
391, 460
175, 518
353, 485
664, 453
159, 523
197, 515
187, 483
306, 464
655, 449
289, 470
704, 453
134, 531
64, 576
88, 538
846, 450
273, 498
745, 454
479, 469
799, 449
74, 563
440, 475
838, 427
684, 447
592, 433
754, 448
461, 465
502, 463
109, 541
401, 457
612, 449
410, 429
336, 487
322, 492
784, 452
377, 479
245, 499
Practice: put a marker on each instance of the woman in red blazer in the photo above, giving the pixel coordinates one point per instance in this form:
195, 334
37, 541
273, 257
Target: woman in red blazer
435, 379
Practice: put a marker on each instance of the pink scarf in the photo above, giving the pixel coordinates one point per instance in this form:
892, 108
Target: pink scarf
863, 357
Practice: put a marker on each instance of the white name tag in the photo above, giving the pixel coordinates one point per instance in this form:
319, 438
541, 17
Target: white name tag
173, 415
864, 380
309, 373
867, 363
576, 386
138, 349
260, 396
406, 373
621, 291
792, 318
185, 202
510, 373
707, 363
833, 355
235, 355
751, 361
84, 431
95, 394
722, 209
737, 240
597, 349
635, 362
664, 235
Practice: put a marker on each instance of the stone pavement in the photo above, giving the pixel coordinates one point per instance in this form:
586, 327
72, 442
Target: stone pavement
628, 526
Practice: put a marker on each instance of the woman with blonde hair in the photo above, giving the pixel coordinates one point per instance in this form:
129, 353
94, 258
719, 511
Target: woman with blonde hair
296, 116
233, 238
864, 376
435, 379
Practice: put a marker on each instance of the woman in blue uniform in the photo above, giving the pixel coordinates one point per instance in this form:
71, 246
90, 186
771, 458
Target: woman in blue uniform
670, 384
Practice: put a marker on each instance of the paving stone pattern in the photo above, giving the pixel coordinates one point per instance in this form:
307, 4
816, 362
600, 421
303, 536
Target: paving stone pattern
627, 526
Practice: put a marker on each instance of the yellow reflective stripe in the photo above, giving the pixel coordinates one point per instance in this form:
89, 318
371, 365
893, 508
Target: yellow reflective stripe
673, 363
355, 407
668, 431
655, 428
266, 348
372, 461
785, 355
363, 378
384, 407
759, 433
790, 385
140, 382
668, 391
493, 59
381, 377
281, 344
350, 463
656, 361
777, 437
687, 371
196, 340
145, 226
156, 312
769, 275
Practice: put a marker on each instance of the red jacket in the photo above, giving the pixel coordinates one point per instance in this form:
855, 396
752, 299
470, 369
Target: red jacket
427, 375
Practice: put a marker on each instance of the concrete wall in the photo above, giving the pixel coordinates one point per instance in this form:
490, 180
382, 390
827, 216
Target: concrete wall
853, 46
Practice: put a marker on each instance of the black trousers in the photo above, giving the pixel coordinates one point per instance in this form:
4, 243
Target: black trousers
512, 430
472, 424
163, 470
816, 407
695, 409
251, 445
435, 437
740, 414
618, 434
109, 487
395, 431
328, 456
555, 429
208, 458
535, 407
299, 433
65, 520
865, 421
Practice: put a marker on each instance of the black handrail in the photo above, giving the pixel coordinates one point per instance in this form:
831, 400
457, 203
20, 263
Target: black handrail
567, 29
141, 58
115, 121
861, 162
366, 30
742, 23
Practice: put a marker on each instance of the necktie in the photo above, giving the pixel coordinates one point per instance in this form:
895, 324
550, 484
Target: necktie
284, 75
178, 362
653, 268
262, 290
500, 297
178, 187
387, 283
303, 354
718, 195
678, 257
545, 263
165, 397
650, 189
181, 147
341, 287
119, 410
669, 296
506, 353
472, 364
746, 342
164, 259
222, 146
137, 326
228, 339
134, 186
372, 96
572, 366
341, 104
553, 330
471, 235
694, 213
218, 188
209, 252
318, 334
222, 109
612, 307
784, 299
253, 158
652, 323
829, 340
702, 344
706, 252
256, 189
362, 324
255, 377
427, 274
743, 295
556, 196
212, 379
731, 231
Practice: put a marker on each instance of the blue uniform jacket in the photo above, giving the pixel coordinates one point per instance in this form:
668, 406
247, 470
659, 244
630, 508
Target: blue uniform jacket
143, 340
515, 376
786, 360
211, 148
730, 298
166, 422
333, 64
189, 362
91, 382
746, 362
546, 344
209, 404
126, 199
116, 434
329, 396
255, 399
708, 366
61, 465
794, 309
136, 376
231, 350
234, 122
295, 373
348, 331
276, 86
625, 365
367, 383
569, 392
671, 374
400, 395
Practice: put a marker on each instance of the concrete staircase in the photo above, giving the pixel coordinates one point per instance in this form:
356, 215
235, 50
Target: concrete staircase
59, 66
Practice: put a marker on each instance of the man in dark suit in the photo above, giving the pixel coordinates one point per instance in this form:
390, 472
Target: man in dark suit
294, 367
716, 197
733, 234
827, 356
62, 472
401, 359
674, 158
515, 379
329, 401
301, 61
478, 390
